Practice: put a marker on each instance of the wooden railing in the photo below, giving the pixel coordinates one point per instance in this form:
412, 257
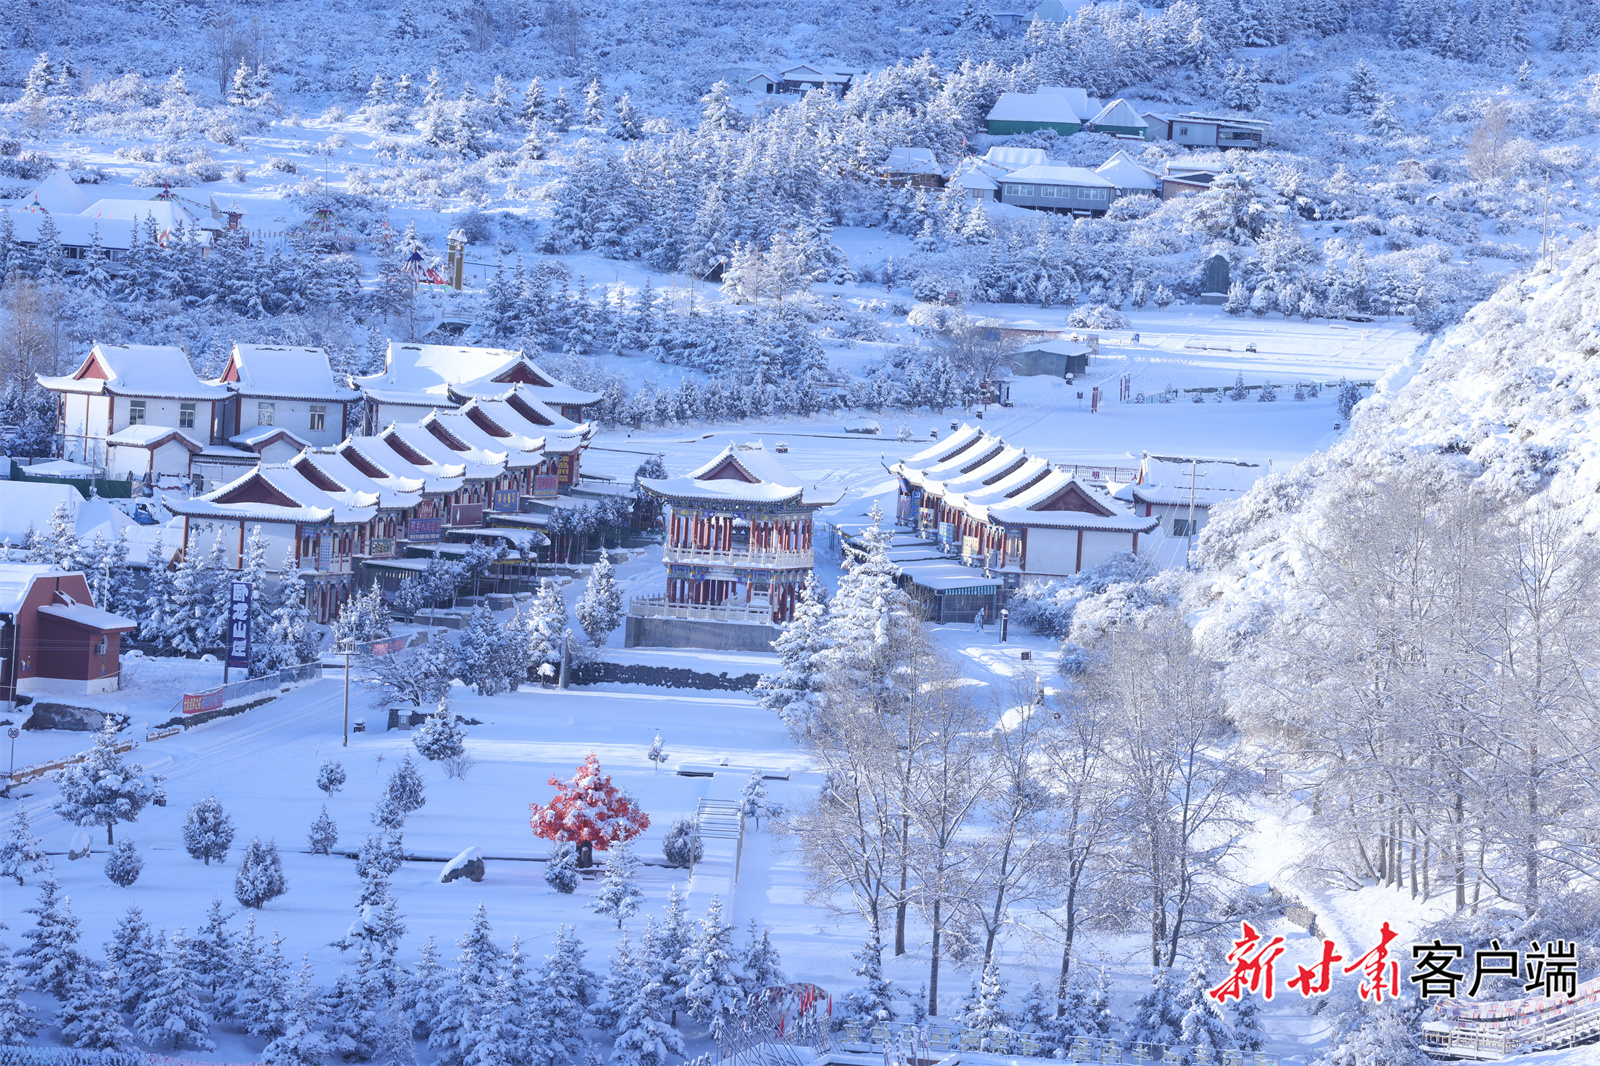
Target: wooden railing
679, 553
658, 607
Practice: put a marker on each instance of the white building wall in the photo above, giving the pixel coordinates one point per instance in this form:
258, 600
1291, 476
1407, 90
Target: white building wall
1098, 547
1051, 551
294, 416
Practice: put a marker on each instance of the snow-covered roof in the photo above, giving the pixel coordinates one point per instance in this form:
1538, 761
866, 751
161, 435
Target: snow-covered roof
1197, 119
58, 194
17, 578
972, 174
939, 451
472, 462
975, 499
1124, 173
60, 468
1165, 479
994, 466
1058, 347
284, 372
959, 463
1052, 11
947, 576
1033, 107
376, 453
73, 230
81, 614
167, 214
1118, 113
277, 492
1016, 158
146, 436
1083, 105
156, 370
745, 473
393, 491
28, 505
257, 437
911, 161
428, 374
1051, 175
1062, 501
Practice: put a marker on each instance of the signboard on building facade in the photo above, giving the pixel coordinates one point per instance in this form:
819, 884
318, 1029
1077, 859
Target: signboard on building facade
505, 499
239, 602
424, 530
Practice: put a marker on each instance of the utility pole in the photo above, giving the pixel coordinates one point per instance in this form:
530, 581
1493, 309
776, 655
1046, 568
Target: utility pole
347, 695
1190, 548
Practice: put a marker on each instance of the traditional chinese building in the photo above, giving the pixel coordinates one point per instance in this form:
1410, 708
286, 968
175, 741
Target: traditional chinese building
738, 549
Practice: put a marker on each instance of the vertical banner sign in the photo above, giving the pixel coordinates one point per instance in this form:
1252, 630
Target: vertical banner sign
239, 624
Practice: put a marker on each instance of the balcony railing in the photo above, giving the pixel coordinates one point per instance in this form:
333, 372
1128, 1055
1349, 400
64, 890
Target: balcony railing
778, 560
658, 607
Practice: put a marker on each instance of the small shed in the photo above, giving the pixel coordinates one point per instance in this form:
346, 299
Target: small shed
50, 629
1030, 112
950, 592
1058, 358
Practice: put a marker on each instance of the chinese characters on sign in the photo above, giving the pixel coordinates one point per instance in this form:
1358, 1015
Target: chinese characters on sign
239, 624
1549, 969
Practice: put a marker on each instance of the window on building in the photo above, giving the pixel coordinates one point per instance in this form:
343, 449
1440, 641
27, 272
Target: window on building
319, 416
135, 412
1185, 527
265, 413
186, 416
1183, 131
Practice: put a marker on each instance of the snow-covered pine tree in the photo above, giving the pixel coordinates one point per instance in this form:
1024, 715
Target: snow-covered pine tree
211, 949
419, 993
302, 1043
644, 1035
478, 660
134, 954
754, 802
103, 789
170, 1015
875, 998
51, 960
712, 994
260, 878
352, 1008
564, 988
600, 606
57, 543
619, 893
657, 753
617, 991
153, 620
405, 790
1038, 1016
291, 635
208, 831
88, 1017
440, 736
1244, 1025
21, 853
547, 625
561, 869
475, 977
760, 963
362, 618
673, 938
124, 864
989, 1011
324, 833
17, 1022
594, 105
794, 689
1157, 1018
1201, 1024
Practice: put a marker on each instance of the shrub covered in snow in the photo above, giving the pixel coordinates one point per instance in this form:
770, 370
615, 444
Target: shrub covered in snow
561, 871
124, 864
1097, 316
260, 878
681, 846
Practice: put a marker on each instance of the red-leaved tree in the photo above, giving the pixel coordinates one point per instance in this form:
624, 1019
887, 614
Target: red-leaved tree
588, 811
